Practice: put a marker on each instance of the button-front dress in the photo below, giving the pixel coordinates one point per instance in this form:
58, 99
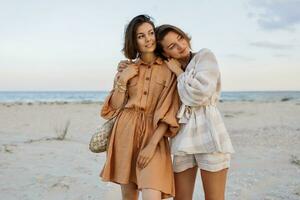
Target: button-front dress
152, 99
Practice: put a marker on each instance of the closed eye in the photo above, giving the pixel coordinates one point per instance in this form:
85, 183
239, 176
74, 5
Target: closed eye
179, 37
171, 46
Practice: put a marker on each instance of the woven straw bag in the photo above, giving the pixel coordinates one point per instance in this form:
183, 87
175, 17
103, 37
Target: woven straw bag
99, 140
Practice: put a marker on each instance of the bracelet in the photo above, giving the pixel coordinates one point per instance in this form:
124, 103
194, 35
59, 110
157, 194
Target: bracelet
120, 84
121, 88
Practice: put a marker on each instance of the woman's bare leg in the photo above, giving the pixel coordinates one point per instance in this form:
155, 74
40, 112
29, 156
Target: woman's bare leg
150, 194
214, 184
184, 184
129, 192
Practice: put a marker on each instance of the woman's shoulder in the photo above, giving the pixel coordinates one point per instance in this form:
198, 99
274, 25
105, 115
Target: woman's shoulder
205, 59
163, 66
204, 54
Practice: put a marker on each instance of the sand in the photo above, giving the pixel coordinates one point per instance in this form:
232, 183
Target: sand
35, 164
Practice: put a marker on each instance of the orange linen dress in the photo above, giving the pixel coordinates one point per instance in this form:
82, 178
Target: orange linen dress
152, 99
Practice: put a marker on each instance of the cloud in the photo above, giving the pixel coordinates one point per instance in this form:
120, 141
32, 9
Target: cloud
271, 45
275, 14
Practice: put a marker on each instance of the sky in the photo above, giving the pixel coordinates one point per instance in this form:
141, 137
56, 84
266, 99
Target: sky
76, 44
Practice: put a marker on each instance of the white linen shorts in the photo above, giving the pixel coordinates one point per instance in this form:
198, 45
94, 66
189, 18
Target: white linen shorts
212, 162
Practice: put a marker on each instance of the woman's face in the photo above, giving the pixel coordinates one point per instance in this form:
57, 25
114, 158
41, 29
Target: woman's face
175, 46
145, 37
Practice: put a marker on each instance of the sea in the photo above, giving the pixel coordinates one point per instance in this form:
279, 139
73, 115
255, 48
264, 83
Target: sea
99, 96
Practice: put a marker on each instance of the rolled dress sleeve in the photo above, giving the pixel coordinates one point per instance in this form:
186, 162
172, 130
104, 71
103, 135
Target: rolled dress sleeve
108, 110
167, 108
196, 86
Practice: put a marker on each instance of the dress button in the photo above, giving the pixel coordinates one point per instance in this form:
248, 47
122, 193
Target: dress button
145, 93
147, 78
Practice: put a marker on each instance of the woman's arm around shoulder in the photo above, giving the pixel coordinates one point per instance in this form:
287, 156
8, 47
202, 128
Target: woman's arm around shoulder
199, 81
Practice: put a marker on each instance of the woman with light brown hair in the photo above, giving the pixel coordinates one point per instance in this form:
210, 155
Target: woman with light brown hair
202, 141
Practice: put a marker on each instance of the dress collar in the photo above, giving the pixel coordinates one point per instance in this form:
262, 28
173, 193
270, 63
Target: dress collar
158, 61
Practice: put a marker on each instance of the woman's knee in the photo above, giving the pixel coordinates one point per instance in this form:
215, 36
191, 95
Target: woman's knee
129, 192
214, 196
129, 195
182, 196
150, 194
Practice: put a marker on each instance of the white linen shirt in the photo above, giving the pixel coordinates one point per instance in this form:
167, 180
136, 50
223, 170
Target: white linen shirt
202, 128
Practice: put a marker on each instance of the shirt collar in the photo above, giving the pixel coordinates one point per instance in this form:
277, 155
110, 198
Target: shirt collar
158, 61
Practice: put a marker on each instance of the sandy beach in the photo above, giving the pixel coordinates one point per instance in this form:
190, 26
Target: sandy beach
35, 164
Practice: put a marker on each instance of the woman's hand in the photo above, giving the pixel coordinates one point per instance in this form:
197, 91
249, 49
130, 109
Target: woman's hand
146, 155
123, 64
129, 72
174, 65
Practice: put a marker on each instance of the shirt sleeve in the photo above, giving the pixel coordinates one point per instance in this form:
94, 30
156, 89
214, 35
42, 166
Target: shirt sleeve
167, 108
196, 86
108, 110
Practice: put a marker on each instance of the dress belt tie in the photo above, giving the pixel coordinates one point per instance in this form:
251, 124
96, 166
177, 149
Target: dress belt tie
141, 127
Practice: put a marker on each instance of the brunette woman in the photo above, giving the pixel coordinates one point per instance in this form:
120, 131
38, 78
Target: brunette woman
138, 155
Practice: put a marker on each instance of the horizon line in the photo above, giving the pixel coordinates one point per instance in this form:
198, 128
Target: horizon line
109, 90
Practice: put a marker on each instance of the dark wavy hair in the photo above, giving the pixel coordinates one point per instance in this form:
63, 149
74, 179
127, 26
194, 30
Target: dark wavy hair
130, 48
162, 31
